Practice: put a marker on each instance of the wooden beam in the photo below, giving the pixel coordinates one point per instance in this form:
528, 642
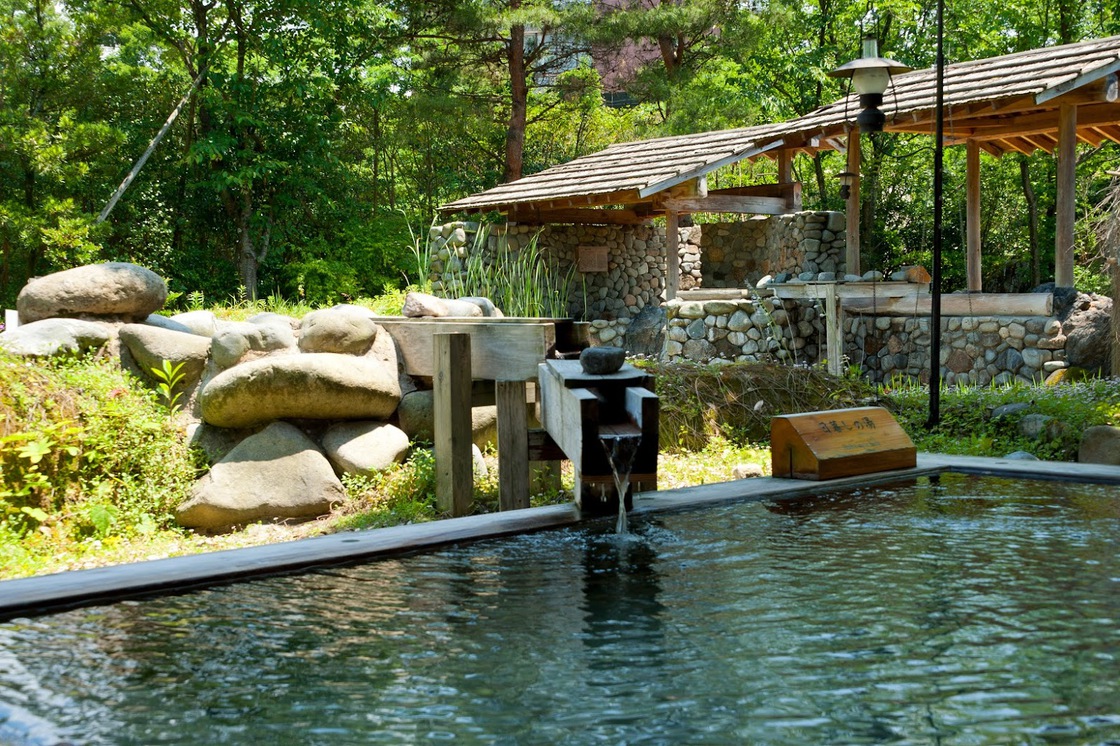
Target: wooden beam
972, 199
672, 257
1092, 76
1046, 122
513, 445
1066, 196
707, 168
728, 203
851, 207
452, 423
577, 216
780, 191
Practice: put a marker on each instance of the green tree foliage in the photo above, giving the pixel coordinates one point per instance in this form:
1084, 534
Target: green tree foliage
315, 133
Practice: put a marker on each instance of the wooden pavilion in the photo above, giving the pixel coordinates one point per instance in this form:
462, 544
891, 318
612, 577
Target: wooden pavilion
1048, 99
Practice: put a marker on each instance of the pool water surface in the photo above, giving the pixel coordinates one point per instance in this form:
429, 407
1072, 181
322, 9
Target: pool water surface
956, 610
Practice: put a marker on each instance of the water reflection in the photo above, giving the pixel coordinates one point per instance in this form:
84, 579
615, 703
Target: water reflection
909, 615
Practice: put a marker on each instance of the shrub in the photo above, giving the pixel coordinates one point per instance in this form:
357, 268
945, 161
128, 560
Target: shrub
967, 427
84, 452
735, 401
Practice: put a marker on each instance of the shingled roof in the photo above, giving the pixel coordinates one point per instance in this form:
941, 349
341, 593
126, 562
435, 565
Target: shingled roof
1007, 104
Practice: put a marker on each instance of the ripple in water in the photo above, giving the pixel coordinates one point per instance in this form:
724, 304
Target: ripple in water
954, 611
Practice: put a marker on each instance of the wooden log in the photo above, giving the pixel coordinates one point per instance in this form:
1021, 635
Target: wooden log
958, 304
728, 203
972, 199
452, 423
513, 445
838, 443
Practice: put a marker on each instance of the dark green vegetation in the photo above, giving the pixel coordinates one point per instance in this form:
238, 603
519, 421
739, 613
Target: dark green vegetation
313, 133
92, 465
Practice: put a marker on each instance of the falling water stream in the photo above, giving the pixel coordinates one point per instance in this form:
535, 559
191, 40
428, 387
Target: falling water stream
621, 449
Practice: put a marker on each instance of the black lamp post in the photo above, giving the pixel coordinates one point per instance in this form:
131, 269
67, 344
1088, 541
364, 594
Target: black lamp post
870, 76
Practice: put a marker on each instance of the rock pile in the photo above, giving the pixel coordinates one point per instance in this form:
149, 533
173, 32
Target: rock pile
283, 407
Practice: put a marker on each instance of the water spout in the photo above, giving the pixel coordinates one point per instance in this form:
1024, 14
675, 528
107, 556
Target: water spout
621, 449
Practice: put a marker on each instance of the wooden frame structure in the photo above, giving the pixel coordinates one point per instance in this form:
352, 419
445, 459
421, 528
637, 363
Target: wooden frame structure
1048, 99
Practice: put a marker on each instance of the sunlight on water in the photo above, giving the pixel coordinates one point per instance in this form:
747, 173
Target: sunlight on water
950, 612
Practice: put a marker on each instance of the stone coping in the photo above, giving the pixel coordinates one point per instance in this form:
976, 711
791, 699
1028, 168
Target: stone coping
45, 594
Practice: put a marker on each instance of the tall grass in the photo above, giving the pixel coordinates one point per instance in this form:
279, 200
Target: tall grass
525, 282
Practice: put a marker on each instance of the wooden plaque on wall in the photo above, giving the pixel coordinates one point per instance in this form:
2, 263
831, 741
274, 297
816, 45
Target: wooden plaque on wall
593, 259
838, 443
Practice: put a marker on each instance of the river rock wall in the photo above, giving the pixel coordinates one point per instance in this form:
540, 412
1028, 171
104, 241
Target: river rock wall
710, 255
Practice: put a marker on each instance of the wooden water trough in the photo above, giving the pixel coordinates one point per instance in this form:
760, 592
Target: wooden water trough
461, 356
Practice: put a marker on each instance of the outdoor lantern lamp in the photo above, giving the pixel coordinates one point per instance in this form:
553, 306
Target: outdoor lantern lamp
847, 178
870, 76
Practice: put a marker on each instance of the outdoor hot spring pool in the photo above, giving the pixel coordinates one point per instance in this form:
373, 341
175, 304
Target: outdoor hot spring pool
952, 611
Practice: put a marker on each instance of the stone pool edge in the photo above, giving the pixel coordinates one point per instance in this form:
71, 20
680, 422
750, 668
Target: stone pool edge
47, 594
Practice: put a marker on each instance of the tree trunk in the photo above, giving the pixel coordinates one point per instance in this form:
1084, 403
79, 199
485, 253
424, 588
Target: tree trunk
519, 105
1032, 216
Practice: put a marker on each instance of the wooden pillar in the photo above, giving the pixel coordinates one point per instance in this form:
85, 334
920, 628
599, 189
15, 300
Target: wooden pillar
672, 255
851, 256
834, 330
1115, 318
785, 166
972, 196
513, 445
1067, 182
452, 423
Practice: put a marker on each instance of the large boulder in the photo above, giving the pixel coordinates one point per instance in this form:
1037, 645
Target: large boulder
1100, 445
50, 337
317, 385
420, 305
277, 474
348, 330
487, 305
116, 290
237, 341
150, 346
1088, 333
416, 415
202, 323
646, 333
364, 447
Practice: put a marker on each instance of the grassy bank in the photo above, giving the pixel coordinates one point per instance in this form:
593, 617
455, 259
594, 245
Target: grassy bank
93, 467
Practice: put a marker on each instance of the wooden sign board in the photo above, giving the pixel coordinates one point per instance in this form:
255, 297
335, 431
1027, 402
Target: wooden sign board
838, 443
593, 259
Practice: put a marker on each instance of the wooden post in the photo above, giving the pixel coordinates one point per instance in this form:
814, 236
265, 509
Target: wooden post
785, 167
672, 255
452, 423
513, 445
1067, 182
834, 331
972, 196
851, 256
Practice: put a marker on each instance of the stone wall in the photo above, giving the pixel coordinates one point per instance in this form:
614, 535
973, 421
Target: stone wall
975, 350
740, 254
711, 255
761, 328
